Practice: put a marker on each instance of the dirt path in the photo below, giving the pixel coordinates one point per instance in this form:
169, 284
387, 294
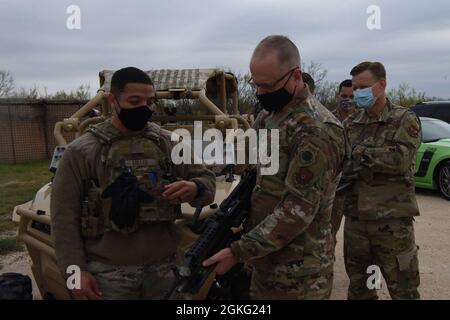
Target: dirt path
432, 236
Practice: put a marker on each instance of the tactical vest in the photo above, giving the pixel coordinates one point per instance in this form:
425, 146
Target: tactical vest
144, 156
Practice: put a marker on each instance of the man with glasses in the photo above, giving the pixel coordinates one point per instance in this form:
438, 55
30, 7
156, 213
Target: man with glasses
287, 240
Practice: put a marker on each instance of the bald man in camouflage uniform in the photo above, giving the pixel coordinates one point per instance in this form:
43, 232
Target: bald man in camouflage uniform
288, 241
380, 204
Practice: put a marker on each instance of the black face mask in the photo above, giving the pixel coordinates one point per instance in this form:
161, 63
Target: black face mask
135, 119
276, 100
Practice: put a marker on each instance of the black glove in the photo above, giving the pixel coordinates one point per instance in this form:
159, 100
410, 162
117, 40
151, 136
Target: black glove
126, 198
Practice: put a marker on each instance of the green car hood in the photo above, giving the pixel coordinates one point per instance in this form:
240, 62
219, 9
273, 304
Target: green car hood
439, 143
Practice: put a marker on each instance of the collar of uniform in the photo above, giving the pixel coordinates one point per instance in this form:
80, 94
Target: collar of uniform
112, 128
296, 101
337, 114
363, 117
151, 129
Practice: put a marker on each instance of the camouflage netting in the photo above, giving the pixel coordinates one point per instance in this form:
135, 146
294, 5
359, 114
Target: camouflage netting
186, 79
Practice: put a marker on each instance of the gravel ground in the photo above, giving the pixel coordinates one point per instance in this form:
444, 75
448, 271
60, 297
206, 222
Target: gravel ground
432, 230
432, 236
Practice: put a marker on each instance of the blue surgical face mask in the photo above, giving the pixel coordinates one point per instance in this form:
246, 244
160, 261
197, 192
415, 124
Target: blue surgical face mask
364, 98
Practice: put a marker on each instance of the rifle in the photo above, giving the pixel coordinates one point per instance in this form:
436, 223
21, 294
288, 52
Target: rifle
215, 234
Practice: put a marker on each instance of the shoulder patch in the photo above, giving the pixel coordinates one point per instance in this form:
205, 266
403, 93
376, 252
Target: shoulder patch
307, 155
303, 177
413, 131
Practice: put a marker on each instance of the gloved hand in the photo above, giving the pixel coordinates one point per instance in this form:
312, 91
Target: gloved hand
126, 198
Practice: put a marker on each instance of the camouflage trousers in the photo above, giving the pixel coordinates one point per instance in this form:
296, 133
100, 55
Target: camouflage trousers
388, 244
147, 281
287, 286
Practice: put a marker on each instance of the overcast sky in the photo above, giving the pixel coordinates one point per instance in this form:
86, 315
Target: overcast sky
37, 47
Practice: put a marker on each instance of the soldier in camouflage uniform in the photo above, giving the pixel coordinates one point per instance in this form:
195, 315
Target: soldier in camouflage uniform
345, 107
345, 103
116, 195
380, 203
288, 241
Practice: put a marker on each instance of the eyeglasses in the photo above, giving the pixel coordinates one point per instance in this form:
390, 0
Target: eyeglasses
265, 86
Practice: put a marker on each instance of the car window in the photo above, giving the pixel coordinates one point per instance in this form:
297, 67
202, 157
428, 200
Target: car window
423, 111
442, 113
433, 130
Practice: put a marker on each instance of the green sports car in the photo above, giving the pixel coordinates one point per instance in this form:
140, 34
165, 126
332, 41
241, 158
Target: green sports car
433, 157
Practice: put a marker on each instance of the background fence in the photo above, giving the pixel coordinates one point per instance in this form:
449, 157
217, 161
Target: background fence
26, 127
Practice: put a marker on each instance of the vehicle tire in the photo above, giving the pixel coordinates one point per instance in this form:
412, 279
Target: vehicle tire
15, 286
443, 180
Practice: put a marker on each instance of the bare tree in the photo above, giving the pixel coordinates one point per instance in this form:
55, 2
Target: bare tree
406, 96
316, 71
83, 92
6, 83
32, 93
247, 99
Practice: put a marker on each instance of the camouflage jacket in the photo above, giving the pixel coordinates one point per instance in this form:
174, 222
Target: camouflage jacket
288, 229
381, 163
338, 115
82, 160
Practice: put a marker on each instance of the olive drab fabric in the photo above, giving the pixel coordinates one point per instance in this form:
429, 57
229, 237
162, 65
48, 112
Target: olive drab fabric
380, 201
144, 281
338, 205
337, 114
388, 244
288, 239
142, 156
81, 229
382, 163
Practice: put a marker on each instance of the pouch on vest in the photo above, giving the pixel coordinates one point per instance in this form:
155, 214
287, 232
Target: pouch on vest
92, 221
159, 210
126, 198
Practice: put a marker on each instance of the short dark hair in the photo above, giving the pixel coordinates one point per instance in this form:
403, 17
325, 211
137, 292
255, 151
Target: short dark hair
127, 75
287, 52
309, 81
376, 68
345, 83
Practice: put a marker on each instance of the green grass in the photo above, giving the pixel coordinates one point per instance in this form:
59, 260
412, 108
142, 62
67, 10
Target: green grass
10, 244
18, 184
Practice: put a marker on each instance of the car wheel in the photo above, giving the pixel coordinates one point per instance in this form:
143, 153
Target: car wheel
15, 286
443, 180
